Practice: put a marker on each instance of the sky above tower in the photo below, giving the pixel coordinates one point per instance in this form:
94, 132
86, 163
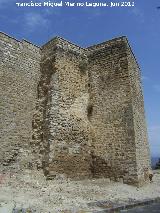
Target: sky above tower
88, 25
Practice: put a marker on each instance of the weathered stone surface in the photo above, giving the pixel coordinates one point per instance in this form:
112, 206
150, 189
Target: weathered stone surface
19, 76
120, 141
73, 112
6, 207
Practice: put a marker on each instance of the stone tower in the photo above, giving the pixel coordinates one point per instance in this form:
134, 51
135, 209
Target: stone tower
73, 111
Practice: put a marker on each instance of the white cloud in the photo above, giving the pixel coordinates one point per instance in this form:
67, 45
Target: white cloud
34, 20
154, 139
154, 133
4, 3
156, 87
138, 14
154, 128
144, 78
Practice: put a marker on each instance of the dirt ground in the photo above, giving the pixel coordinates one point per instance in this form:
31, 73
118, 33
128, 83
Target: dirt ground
30, 190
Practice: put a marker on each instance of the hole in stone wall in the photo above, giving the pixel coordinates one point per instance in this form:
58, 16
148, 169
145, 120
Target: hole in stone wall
33, 137
102, 79
89, 110
83, 65
1, 53
88, 86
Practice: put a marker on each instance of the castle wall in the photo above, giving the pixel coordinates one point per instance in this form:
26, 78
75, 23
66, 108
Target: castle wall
19, 74
72, 111
140, 130
117, 141
63, 97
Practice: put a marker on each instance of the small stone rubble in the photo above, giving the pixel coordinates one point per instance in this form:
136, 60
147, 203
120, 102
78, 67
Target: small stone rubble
30, 192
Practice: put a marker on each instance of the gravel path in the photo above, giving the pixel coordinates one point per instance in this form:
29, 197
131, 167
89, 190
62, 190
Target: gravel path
31, 190
153, 208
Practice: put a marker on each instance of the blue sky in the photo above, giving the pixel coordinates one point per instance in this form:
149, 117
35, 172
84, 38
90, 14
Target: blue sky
87, 26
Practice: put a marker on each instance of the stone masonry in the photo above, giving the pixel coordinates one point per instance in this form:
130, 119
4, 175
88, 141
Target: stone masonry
72, 111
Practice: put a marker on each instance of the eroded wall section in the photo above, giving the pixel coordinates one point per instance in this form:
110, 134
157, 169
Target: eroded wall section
64, 130
19, 75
